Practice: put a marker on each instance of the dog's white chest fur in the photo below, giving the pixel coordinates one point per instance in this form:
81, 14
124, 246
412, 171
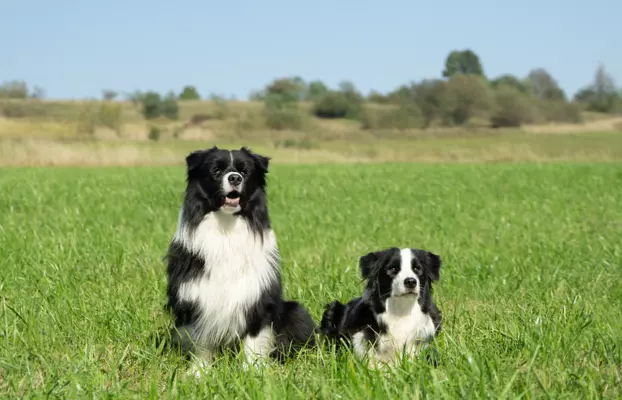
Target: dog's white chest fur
238, 269
408, 329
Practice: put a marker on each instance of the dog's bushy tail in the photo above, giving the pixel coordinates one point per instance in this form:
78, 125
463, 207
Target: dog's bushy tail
297, 330
332, 320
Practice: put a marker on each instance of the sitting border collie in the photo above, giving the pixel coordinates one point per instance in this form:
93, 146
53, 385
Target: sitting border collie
224, 285
396, 314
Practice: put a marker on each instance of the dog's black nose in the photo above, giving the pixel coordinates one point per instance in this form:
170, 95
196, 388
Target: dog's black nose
235, 179
410, 283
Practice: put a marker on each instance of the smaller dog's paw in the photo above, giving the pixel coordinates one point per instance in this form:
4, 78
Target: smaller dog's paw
332, 318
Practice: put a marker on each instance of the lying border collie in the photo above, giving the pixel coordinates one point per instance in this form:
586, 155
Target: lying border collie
396, 314
224, 285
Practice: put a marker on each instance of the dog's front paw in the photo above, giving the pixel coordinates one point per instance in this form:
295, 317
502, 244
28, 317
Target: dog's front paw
331, 319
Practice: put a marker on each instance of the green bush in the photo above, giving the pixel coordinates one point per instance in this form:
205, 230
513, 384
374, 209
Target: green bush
287, 89
465, 96
23, 109
281, 109
154, 133
512, 108
406, 116
283, 118
154, 106
560, 111
151, 105
11, 109
14, 90
335, 105
189, 93
169, 107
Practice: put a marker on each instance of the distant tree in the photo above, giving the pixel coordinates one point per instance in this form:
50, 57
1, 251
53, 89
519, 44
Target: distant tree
349, 90
544, 86
169, 107
135, 97
334, 104
301, 85
429, 95
108, 94
151, 102
511, 107
602, 95
14, 90
377, 97
462, 62
464, 97
281, 99
400, 93
509, 81
354, 97
585, 94
189, 93
316, 90
37, 92
287, 89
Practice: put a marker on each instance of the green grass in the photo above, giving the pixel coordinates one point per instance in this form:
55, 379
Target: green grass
530, 287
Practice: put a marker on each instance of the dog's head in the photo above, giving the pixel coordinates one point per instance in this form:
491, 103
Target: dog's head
397, 272
228, 179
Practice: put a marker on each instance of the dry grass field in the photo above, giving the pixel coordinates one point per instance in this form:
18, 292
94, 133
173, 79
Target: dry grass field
48, 133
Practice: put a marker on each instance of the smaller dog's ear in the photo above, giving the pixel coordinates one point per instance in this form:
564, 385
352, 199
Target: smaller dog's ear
197, 157
367, 264
261, 162
434, 266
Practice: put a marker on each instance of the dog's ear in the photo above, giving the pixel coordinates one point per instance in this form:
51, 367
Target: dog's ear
434, 265
197, 157
261, 162
367, 264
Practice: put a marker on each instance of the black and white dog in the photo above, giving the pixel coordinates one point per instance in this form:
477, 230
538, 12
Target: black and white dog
396, 314
224, 285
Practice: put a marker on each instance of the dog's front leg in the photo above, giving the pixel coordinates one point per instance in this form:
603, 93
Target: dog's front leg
257, 348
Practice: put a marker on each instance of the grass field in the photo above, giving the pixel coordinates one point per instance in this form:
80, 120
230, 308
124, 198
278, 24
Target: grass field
530, 288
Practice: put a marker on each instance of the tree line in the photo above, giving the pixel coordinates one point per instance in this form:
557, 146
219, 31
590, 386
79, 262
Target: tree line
462, 93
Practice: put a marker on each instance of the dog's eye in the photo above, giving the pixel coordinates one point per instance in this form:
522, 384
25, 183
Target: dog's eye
216, 171
417, 270
393, 270
244, 172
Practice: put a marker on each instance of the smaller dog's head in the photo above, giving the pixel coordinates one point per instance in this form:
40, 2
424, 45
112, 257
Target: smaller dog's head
227, 178
397, 272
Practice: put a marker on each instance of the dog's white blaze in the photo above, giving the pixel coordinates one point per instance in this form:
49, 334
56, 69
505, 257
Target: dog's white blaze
239, 268
406, 271
408, 328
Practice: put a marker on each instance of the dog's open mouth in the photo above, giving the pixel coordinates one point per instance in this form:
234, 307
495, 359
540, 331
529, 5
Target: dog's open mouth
232, 199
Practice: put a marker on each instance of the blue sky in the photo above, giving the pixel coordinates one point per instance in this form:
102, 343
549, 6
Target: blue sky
74, 49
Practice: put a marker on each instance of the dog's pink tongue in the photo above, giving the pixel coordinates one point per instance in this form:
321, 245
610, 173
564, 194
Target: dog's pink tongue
232, 202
